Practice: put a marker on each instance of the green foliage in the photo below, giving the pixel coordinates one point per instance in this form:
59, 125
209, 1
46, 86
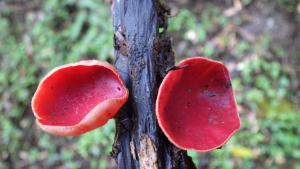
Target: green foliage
60, 32
289, 5
270, 121
195, 31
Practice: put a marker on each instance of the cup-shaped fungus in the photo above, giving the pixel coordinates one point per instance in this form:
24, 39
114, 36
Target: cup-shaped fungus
78, 97
195, 106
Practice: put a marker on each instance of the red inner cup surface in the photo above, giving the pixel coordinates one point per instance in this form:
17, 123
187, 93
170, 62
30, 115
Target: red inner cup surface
197, 108
68, 94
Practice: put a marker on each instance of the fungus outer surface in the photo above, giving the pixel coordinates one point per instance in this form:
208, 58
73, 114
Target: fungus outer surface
195, 107
78, 97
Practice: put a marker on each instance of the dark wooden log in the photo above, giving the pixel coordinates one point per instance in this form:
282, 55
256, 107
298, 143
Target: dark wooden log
143, 55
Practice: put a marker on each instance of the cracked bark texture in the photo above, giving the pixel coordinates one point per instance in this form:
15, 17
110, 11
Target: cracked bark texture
143, 55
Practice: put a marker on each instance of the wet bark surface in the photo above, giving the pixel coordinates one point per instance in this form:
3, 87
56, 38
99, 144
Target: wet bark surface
143, 56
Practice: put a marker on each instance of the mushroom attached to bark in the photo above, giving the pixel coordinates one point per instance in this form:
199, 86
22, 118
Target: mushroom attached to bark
75, 98
195, 106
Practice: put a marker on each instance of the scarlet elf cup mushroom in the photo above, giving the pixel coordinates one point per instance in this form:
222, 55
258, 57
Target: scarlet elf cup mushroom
195, 107
78, 97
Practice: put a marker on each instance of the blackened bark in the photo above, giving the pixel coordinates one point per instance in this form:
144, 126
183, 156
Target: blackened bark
143, 55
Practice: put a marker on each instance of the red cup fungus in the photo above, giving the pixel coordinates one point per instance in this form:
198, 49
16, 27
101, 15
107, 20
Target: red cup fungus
195, 107
78, 97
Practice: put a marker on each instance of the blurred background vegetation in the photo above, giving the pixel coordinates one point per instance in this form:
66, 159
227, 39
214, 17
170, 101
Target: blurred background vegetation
258, 40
